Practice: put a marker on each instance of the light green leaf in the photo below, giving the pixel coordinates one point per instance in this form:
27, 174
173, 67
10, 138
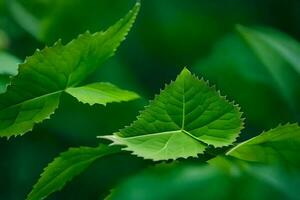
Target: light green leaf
8, 68
63, 168
8, 64
34, 93
274, 146
280, 54
101, 93
187, 116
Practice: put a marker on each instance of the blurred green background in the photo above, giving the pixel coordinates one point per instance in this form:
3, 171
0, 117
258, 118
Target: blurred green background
168, 35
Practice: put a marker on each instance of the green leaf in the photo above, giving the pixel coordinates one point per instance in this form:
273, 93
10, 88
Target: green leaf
283, 180
8, 68
280, 54
281, 144
187, 116
34, 93
24, 18
8, 64
63, 168
4, 81
4, 41
242, 71
101, 93
194, 182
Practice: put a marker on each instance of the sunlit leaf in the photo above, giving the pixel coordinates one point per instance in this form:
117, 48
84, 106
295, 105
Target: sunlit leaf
101, 93
182, 121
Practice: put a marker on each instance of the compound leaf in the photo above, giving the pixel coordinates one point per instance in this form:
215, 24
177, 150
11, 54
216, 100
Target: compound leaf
279, 145
65, 167
181, 121
34, 93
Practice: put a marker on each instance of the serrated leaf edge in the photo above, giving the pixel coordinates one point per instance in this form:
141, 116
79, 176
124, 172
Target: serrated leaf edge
113, 138
59, 157
58, 43
262, 133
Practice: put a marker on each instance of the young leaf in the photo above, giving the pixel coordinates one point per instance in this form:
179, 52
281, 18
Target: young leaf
280, 54
275, 145
65, 167
101, 93
187, 116
34, 93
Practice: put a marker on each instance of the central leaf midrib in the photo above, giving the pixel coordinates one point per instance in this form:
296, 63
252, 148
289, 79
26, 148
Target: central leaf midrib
182, 130
67, 170
183, 117
183, 106
68, 85
167, 132
33, 99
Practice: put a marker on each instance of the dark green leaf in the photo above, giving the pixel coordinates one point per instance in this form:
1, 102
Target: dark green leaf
65, 167
34, 93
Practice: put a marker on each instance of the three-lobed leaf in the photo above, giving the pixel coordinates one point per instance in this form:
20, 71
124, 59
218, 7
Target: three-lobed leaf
35, 92
182, 121
65, 167
278, 145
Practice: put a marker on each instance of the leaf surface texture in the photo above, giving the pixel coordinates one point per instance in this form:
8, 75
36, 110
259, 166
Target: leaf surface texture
35, 92
182, 121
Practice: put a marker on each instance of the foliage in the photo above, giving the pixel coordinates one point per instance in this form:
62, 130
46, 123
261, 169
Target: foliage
279, 54
208, 182
194, 135
65, 167
188, 116
277, 145
182, 121
263, 62
35, 92
9, 69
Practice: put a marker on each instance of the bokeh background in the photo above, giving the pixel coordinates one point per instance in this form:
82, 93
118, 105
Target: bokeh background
168, 35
